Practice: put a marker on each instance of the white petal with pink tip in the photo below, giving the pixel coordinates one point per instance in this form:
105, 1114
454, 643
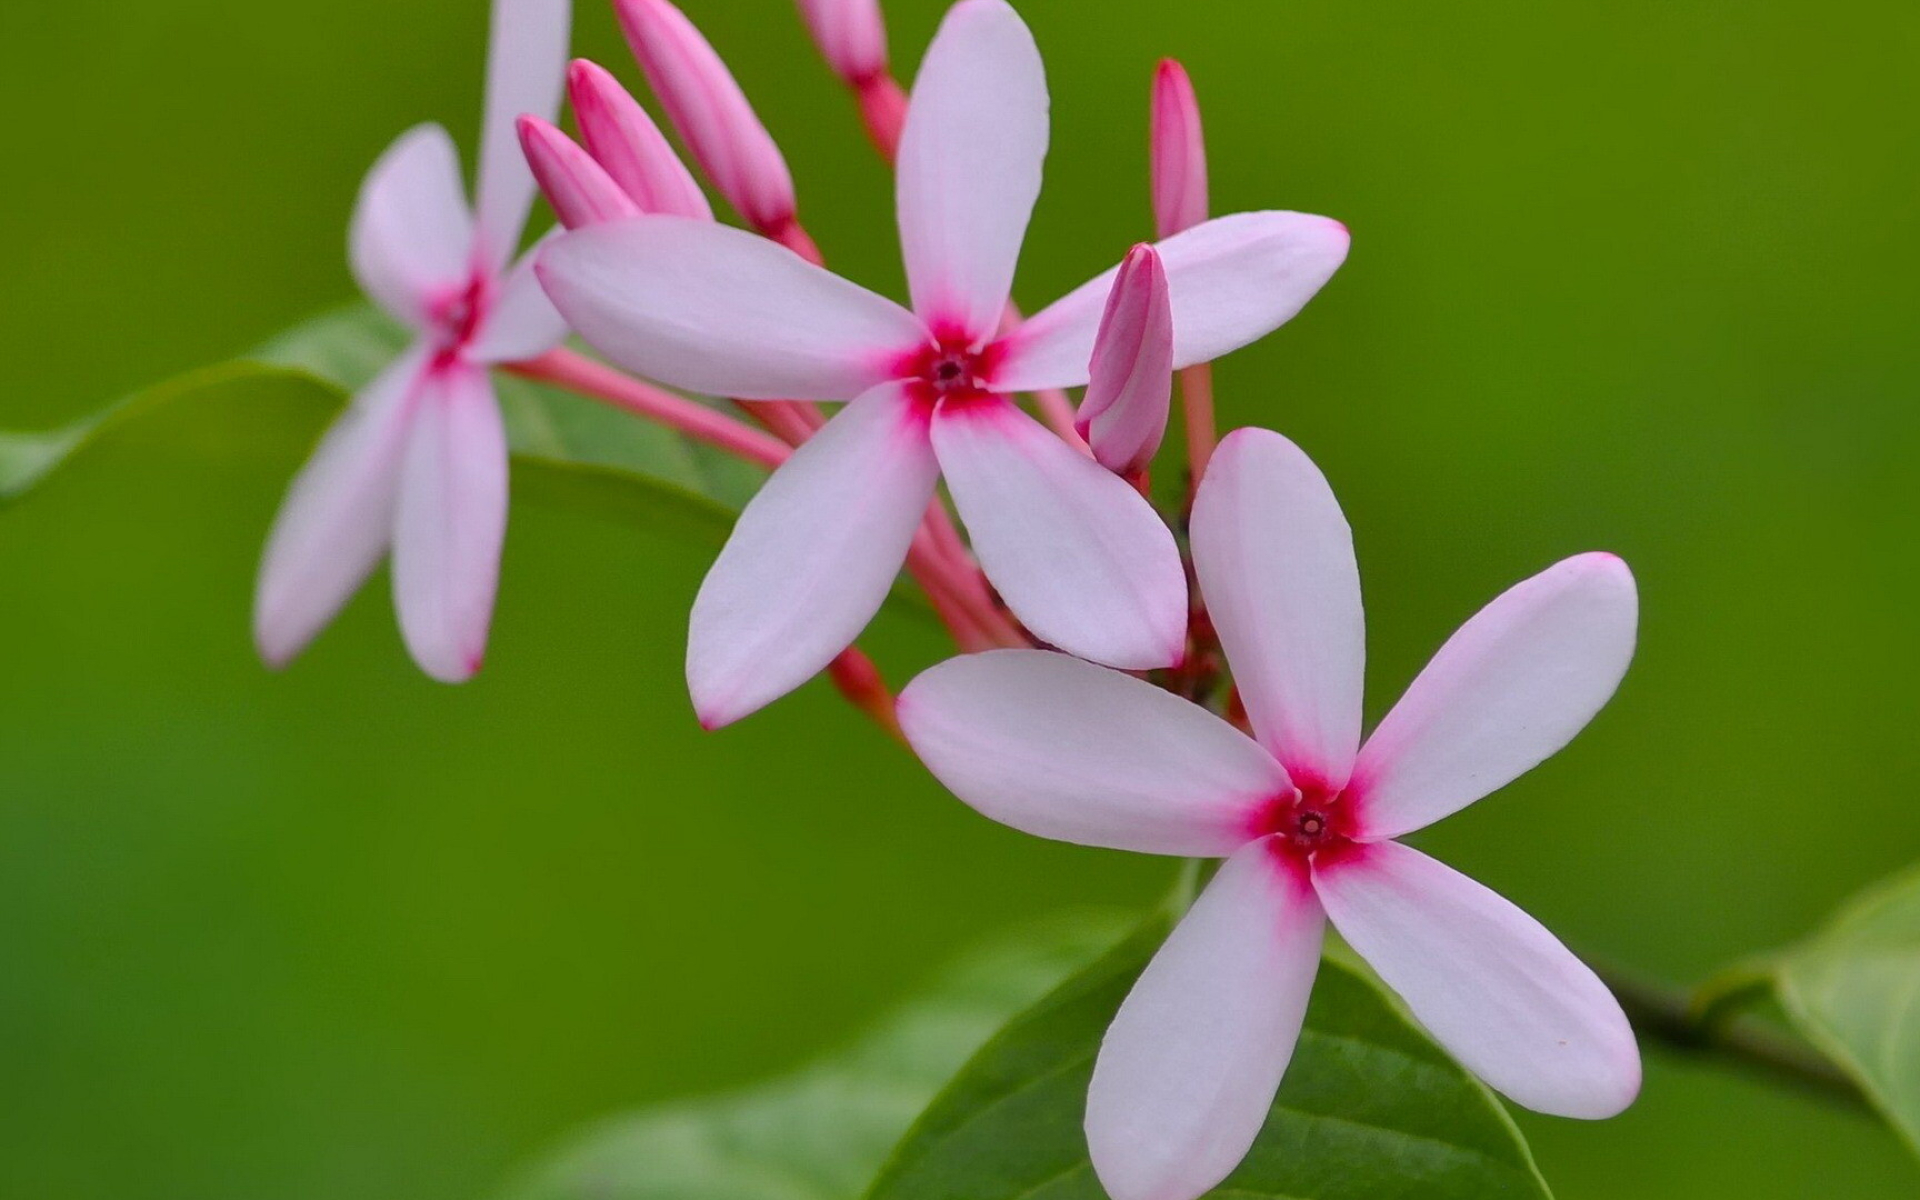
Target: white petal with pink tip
1077, 554
1274, 557
450, 522
969, 165
1189, 1067
1232, 280
1063, 749
719, 310
1509, 689
1488, 981
811, 558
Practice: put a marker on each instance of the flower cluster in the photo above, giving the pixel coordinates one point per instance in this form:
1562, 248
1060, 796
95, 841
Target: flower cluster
1089, 704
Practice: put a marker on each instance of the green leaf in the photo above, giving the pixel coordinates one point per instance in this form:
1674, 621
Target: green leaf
822, 1132
1854, 991
1370, 1109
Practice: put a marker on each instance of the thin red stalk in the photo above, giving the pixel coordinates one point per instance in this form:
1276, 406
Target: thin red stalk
860, 682
883, 110
578, 373
1196, 400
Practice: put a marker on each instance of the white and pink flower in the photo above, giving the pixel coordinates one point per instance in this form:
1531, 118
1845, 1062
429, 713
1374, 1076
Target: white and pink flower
1306, 817
1078, 556
418, 463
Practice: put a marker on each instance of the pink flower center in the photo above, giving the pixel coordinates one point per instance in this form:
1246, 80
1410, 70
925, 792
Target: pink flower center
949, 369
459, 313
1304, 821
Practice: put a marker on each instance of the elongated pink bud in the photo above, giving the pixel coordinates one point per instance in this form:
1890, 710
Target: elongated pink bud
580, 192
1179, 152
625, 141
851, 36
711, 113
1130, 379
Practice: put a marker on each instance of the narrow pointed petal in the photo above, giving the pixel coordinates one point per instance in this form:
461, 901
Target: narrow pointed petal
1179, 152
576, 186
969, 167
1507, 691
717, 310
1189, 1067
1274, 557
450, 523
526, 65
851, 35
337, 518
1233, 280
411, 241
1487, 980
1130, 384
1079, 556
522, 323
624, 139
1063, 749
811, 558
711, 112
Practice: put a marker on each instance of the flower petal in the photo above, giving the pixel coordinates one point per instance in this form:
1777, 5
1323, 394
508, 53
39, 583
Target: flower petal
1488, 981
451, 520
969, 167
1233, 280
811, 557
624, 139
576, 186
1077, 554
522, 323
1189, 1067
1274, 558
526, 67
1509, 689
718, 310
1063, 749
1130, 389
337, 518
411, 241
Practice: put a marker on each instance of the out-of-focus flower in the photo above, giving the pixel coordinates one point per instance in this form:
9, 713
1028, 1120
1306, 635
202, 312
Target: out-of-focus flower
1305, 817
418, 463
712, 114
851, 35
1178, 152
1078, 556
1130, 378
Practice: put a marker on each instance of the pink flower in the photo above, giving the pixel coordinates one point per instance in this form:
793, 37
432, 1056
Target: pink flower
1130, 378
1078, 556
626, 142
418, 463
1306, 818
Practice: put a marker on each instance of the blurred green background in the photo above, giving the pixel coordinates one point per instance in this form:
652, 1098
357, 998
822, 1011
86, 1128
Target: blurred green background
1636, 275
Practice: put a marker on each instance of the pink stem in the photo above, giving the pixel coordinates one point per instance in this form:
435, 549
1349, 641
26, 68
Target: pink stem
860, 682
883, 110
578, 373
1196, 399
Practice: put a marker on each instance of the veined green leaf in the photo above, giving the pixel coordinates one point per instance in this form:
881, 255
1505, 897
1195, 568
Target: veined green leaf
1370, 1109
822, 1132
1854, 991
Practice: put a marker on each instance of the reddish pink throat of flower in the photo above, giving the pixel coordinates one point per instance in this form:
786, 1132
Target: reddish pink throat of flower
950, 370
458, 315
1305, 821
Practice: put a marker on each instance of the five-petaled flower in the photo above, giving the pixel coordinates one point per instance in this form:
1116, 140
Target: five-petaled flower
1078, 556
1306, 817
418, 463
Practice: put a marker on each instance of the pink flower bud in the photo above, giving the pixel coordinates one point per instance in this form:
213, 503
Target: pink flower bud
713, 116
580, 192
1179, 152
1130, 378
851, 36
620, 134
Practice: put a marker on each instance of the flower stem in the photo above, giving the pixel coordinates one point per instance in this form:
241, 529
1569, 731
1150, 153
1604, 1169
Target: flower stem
1196, 401
883, 110
1676, 1019
860, 682
577, 373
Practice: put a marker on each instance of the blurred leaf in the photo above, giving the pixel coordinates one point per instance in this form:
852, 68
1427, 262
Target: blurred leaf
1854, 991
1370, 1108
822, 1132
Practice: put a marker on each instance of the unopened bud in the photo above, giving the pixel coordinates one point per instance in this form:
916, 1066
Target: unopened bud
580, 192
1130, 378
625, 141
851, 36
711, 113
1179, 152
